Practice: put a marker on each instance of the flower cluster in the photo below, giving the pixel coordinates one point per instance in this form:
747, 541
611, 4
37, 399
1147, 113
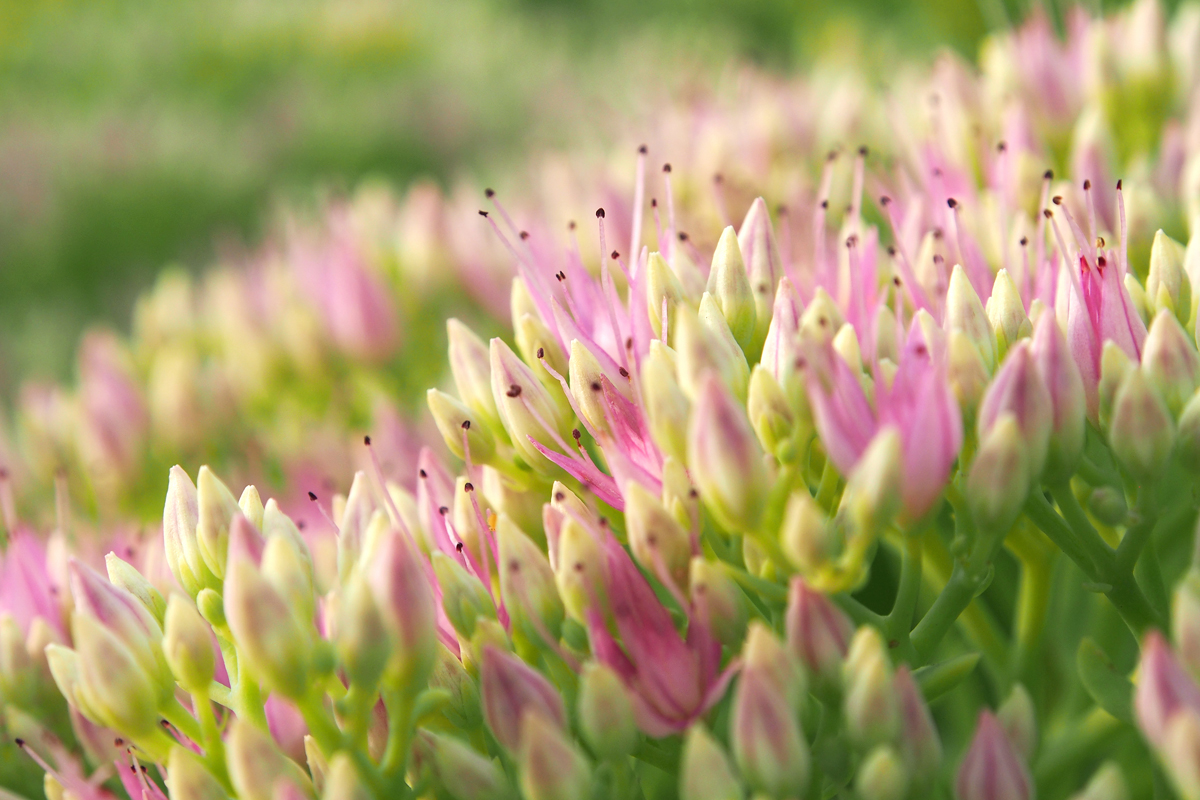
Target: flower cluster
875, 494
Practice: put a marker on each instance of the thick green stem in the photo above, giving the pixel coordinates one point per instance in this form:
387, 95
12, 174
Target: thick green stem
899, 620
178, 716
399, 706
210, 739
828, 486
1088, 537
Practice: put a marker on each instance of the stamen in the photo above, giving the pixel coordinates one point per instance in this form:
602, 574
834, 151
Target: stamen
313, 497
856, 193
670, 207
719, 196
1124, 263
389, 503
639, 199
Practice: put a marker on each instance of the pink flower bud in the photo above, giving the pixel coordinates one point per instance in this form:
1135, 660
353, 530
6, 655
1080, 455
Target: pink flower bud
1170, 361
121, 613
992, 769
188, 645
919, 742
275, 643
1164, 689
512, 690
189, 779
657, 540
765, 736
725, 458
256, 765
217, 507
457, 768
405, 600
527, 584
552, 767
181, 517
1019, 389
1018, 718
1142, 432
718, 601
756, 239
1067, 400
818, 632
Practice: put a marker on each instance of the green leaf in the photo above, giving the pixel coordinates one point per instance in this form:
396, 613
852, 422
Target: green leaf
1111, 690
936, 680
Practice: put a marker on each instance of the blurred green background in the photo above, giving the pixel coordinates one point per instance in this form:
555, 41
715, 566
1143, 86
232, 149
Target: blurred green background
137, 134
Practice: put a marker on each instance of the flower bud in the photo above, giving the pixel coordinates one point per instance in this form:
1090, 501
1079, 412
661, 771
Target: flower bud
845, 344
256, 765
966, 371
452, 419
606, 716
964, 313
1142, 432
764, 652
360, 633
767, 743
511, 691
121, 613
718, 601
1164, 690
705, 772
580, 574
992, 769
1170, 362
999, 479
188, 646
1106, 784
1019, 389
533, 337
1114, 367
1068, 403
658, 542
464, 596
552, 767
1006, 314
871, 707
729, 285
112, 684
1178, 753
821, 319
756, 240
181, 516
189, 779
1188, 434
1168, 287
1185, 621
526, 408
588, 379
730, 357
725, 459
462, 709
64, 669
807, 535
1018, 718
769, 411
662, 286
527, 584
123, 575
818, 632
1107, 504
882, 775
665, 403
275, 644
919, 742
252, 506
217, 507
470, 364
287, 566
342, 781
872, 495
783, 336
406, 603
463, 773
